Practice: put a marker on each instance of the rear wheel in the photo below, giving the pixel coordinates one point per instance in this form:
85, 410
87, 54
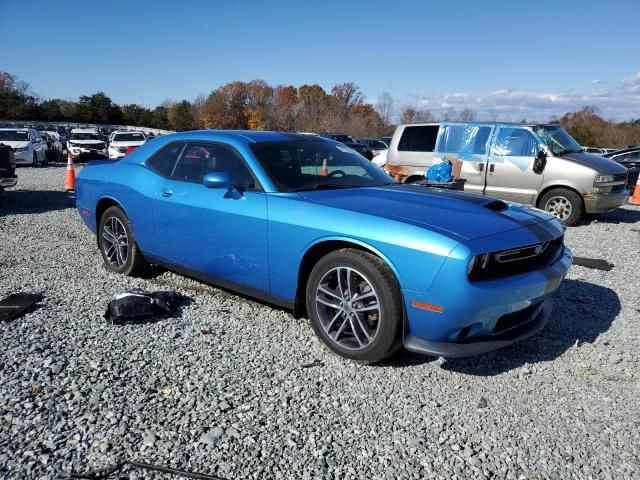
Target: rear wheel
565, 204
35, 159
355, 305
118, 246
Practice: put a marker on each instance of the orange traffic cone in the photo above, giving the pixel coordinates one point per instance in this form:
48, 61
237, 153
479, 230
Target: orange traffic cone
635, 199
397, 178
70, 178
324, 172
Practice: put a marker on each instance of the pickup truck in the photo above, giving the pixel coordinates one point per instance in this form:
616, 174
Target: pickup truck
8, 177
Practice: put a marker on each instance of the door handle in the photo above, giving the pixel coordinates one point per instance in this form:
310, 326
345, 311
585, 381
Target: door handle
492, 168
167, 192
480, 167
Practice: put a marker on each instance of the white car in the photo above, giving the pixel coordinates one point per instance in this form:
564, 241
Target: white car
120, 141
86, 143
29, 148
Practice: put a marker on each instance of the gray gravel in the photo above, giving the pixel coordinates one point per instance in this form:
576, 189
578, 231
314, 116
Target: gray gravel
221, 389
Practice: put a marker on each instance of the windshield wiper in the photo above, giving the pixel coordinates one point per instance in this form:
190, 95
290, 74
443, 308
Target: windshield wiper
322, 186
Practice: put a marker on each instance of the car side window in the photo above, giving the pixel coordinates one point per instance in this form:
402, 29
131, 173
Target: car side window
515, 142
200, 158
164, 160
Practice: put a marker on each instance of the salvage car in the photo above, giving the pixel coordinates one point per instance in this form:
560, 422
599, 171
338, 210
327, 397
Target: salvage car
28, 147
87, 144
121, 141
630, 159
308, 224
535, 164
8, 177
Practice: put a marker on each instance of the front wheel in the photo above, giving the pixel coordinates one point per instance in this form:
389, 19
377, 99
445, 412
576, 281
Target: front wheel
565, 204
355, 305
117, 244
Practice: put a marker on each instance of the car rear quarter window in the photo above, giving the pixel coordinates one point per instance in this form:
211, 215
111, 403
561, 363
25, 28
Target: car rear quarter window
164, 160
418, 139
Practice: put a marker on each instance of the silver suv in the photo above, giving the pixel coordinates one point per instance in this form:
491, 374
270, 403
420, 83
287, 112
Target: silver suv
537, 164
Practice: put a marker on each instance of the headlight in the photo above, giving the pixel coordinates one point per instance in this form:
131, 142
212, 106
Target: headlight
603, 178
478, 265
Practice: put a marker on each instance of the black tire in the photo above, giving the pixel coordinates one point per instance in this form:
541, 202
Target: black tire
35, 159
386, 321
134, 264
46, 158
556, 201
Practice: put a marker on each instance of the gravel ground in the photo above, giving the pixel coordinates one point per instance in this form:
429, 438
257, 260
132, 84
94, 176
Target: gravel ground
225, 388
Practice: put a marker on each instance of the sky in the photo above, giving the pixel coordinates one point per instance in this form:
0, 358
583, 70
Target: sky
514, 59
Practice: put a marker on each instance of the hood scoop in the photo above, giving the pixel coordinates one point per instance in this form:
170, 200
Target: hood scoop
496, 205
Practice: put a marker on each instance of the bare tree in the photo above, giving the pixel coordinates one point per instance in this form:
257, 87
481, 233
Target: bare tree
449, 114
384, 107
423, 116
467, 115
408, 114
493, 115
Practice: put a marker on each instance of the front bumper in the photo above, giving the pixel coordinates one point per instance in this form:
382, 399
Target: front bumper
8, 182
603, 202
24, 158
478, 317
88, 155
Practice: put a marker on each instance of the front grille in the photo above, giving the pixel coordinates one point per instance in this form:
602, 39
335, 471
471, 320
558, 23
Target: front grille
514, 261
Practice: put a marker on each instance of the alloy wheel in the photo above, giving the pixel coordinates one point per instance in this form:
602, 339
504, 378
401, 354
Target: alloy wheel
348, 308
115, 242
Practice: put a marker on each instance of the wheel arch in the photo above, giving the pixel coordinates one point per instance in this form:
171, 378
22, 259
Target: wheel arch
319, 249
548, 188
103, 204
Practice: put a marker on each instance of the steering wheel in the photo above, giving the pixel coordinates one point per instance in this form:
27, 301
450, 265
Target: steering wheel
336, 172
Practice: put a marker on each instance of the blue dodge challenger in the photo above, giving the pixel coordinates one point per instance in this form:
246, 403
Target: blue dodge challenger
306, 223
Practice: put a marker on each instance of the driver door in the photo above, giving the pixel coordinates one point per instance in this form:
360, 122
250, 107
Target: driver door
219, 232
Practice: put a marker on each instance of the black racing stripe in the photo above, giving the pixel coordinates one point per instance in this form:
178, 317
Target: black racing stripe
454, 194
300, 137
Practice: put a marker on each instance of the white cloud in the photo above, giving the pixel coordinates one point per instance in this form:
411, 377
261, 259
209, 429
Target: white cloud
597, 82
620, 102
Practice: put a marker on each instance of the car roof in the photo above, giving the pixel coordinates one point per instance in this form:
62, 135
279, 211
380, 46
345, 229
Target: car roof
244, 136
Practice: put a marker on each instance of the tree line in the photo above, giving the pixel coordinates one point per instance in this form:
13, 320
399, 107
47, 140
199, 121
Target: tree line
256, 105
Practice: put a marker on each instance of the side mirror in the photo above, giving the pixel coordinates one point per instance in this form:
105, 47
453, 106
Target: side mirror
540, 162
217, 180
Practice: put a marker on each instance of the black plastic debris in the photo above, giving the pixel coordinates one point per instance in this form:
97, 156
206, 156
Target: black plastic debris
139, 306
596, 263
17, 304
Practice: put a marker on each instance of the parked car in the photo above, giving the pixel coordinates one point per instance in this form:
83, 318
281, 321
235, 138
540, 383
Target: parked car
630, 159
594, 150
8, 177
361, 149
28, 146
339, 137
386, 140
377, 148
54, 147
305, 223
86, 143
537, 164
120, 141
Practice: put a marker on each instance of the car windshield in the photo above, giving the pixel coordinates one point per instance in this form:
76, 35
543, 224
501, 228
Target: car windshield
557, 139
128, 137
84, 136
14, 135
316, 164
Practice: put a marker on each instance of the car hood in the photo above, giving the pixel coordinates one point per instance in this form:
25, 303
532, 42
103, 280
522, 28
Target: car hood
132, 143
458, 214
15, 143
85, 142
600, 164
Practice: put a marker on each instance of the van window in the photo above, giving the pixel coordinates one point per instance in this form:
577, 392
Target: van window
418, 139
515, 142
471, 139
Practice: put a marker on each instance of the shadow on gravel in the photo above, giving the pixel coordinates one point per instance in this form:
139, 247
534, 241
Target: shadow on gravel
619, 215
35, 201
582, 311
